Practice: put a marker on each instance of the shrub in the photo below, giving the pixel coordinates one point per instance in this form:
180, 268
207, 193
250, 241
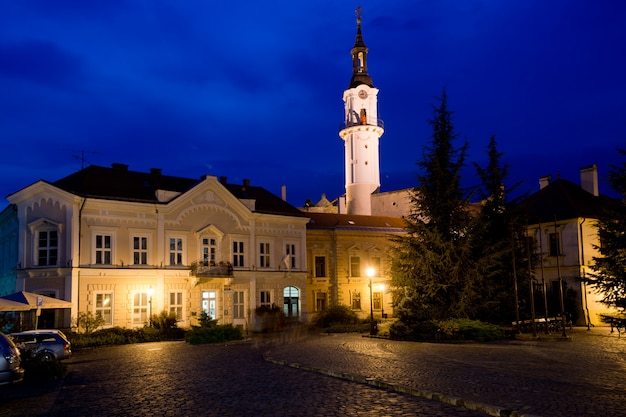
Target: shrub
213, 334
88, 321
269, 319
446, 330
336, 315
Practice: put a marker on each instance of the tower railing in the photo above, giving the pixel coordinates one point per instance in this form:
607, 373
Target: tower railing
350, 123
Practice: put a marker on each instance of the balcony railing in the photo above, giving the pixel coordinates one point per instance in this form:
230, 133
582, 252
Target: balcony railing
210, 269
350, 123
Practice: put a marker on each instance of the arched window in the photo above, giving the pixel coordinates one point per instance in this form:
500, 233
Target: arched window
291, 304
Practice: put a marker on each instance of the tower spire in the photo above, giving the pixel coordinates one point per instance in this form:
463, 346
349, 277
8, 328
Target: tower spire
359, 55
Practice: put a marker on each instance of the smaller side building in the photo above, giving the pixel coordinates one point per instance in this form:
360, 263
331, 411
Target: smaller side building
562, 225
349, 262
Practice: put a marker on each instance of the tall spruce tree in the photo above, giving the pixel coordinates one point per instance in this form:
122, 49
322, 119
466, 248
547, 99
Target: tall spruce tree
432, 268
609, 269
499, 244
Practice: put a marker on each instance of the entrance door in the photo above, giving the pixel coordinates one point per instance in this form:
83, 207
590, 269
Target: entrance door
291, 302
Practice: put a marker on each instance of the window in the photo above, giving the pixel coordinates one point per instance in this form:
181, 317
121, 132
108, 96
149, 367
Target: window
209, 303
238, 305
209, 251
47, 247
554, 244
104, 307
238, 254
291, 302
103, 249
375, 263
320, 266
320, 301
377, 300
355, 266
355, 301
290, 255
176, 251
140, 308
140, 250
265, 299
264, 255
176, 304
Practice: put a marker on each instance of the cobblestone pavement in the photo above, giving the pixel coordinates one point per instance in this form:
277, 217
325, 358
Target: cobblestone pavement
583, 375
177, 379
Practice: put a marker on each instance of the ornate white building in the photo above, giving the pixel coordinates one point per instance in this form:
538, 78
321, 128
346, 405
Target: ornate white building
124, 245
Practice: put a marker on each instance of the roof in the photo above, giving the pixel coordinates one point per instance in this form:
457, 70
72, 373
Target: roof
119, 183
327, 221
563, 200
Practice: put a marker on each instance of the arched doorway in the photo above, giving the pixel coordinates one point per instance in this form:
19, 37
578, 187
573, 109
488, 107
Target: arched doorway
291, 305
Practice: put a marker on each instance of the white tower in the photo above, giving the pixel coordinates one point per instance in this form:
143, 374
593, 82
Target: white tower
361, 132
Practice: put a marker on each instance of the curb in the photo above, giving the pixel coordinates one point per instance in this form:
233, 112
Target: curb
490, 410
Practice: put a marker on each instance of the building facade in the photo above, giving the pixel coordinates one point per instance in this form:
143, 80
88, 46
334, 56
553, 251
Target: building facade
349, 260
562, 226
125, 245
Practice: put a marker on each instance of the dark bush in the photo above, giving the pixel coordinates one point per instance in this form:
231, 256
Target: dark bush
213, 334
336, 315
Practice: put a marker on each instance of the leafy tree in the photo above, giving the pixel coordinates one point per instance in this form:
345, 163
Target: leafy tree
432, 268
609, 269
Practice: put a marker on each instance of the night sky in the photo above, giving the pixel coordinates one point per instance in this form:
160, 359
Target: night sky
254, 89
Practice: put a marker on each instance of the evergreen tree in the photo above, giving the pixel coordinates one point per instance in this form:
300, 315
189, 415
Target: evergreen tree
609, 270
432, 268
496, 233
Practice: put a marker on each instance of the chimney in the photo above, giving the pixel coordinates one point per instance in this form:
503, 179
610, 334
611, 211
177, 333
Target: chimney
246, 182
155, 171
223, 180
589, 179
283, 192
544, 181
120, 167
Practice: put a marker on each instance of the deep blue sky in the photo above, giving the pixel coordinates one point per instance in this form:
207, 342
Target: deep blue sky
253, 89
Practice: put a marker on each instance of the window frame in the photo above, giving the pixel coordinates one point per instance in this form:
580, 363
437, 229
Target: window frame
239, 305
178, 307
238, 254
140, 312
99, 253
176, 254
48, 248
140, 251
319, 268
98, 310
265, 254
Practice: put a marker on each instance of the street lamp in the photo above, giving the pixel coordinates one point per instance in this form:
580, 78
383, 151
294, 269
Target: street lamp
150, 293
381, 287
370, 273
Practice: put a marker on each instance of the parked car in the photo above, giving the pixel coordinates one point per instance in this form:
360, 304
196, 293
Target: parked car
46, 344
10, 369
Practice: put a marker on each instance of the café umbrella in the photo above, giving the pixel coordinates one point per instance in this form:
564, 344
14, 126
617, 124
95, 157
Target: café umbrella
31, 301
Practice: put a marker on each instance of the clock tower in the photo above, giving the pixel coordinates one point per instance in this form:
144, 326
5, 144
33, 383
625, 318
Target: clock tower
361, 132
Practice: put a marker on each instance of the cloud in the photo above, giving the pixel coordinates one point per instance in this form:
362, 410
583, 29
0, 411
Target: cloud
40, 62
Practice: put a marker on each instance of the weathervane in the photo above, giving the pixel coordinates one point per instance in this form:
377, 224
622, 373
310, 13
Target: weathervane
359, 14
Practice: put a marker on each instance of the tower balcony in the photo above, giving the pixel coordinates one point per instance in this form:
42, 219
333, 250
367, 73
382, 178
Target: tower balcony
351, 126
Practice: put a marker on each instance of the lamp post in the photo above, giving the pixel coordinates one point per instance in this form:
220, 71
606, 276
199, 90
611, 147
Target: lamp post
382, 300
150, 293
370, 273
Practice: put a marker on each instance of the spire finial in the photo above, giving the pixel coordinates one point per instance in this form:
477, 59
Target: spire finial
359, 14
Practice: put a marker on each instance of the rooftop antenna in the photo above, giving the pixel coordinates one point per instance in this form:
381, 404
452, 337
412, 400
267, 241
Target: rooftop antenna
82, 158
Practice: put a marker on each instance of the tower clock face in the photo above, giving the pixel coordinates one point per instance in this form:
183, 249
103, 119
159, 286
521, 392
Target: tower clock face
362, 93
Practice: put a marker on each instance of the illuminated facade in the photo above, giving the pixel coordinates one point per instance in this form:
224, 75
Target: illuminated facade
124, 244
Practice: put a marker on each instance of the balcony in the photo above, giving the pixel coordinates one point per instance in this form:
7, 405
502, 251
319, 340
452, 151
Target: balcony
350, 123
211, 269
